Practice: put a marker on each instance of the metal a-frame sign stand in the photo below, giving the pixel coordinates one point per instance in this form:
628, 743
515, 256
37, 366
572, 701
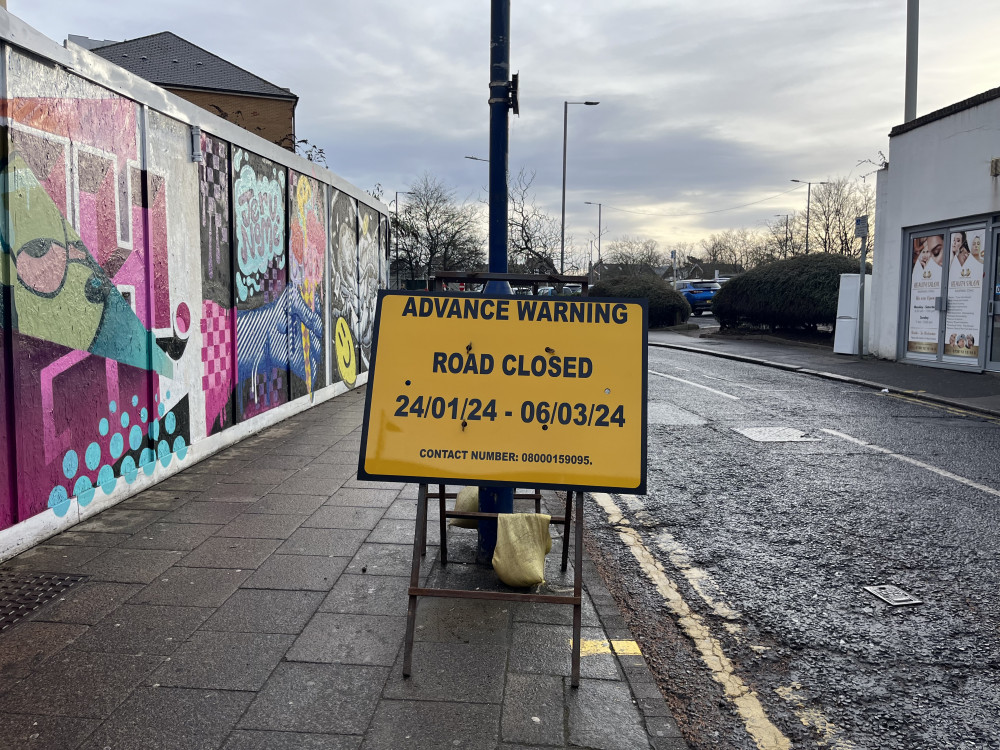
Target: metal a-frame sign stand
502, 371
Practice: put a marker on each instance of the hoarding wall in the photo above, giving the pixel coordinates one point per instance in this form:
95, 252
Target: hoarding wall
171, 284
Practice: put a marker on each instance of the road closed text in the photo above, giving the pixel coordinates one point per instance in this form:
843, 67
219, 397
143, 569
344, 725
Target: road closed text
458, 363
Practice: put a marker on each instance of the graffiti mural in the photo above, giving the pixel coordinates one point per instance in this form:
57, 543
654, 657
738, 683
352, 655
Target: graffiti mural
118, 355
344, 302
218, 320
260, 281
94, 345
306, 260
369, 278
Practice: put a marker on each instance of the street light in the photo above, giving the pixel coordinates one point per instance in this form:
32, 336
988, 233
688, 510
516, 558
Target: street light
808, 201
476, 158
399, 193
591, 203
562, 232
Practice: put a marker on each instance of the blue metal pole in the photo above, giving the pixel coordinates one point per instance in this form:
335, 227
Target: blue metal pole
494, 499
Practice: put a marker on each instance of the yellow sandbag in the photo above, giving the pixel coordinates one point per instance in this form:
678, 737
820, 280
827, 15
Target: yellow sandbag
467, 502
523, 541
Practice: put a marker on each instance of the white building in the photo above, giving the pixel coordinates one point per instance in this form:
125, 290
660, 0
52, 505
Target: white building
936, 281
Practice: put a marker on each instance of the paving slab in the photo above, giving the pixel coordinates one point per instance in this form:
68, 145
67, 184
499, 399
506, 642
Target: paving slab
298, 572
368, 595
34, 731
224, 661
31, 643
54, 558
80, 683
130, 565
263, 526
534, 710
317, 698
230, 552
345, 517
192, 587
87, 603
441, 672
331, 542
171, 536
334, 638
421, 724
244, 740
602, 716
265, 611
143, 629
171, 719
277, 503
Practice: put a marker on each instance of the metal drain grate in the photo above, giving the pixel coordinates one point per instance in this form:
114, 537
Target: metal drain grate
22, 593
892, 595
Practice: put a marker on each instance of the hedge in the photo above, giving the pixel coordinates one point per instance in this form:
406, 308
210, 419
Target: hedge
795, 293
667, 307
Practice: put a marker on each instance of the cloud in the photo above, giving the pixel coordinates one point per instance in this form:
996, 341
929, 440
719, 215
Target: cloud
705, 104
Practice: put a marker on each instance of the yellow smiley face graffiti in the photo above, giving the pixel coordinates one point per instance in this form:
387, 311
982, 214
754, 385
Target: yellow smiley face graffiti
343, 344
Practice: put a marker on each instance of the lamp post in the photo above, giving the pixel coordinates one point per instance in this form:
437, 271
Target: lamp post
562, 231
399, 193
476, 158
808, 201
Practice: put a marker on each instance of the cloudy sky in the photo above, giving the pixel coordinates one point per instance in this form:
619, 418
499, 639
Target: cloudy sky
707, 107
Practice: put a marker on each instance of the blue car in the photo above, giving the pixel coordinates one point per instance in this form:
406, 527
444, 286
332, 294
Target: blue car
698, 293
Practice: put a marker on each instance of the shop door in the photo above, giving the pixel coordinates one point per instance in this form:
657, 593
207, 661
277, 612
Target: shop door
993, 308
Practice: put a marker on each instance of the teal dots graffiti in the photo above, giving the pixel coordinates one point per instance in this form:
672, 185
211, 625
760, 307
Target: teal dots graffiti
163, 450
147, 459
144, 415
170, 423
125, 419
135, 401
106, 479
129, 470
59, 501
71, 464
93, 456
117, 446
135, 437
104, 427
84, 491
180, 448
113, 407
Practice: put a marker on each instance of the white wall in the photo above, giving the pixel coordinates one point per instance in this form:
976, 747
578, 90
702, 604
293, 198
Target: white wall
937, 172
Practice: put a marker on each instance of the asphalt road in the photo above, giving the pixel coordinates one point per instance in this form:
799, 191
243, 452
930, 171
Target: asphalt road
743, 568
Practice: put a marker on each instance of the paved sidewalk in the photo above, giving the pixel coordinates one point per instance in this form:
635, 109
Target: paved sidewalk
257, 601
978, 392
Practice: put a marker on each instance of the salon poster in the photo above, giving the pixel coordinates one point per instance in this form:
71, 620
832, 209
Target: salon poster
965, 293
925, 288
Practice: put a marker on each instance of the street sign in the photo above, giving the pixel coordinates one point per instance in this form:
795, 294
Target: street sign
516, 391
861, 226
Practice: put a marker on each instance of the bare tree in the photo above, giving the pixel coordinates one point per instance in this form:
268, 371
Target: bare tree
835, 205
436, 232
633, 254
533, 235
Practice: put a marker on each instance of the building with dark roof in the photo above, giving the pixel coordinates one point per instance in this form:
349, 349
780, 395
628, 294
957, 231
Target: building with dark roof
207, 80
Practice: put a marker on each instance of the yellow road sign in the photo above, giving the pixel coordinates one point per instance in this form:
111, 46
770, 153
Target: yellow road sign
522, 391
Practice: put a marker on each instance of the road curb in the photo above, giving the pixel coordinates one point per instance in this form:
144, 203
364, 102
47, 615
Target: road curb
918, 395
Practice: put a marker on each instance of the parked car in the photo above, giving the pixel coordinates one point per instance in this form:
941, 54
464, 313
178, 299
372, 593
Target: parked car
698, 293
546, 291
572, 289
